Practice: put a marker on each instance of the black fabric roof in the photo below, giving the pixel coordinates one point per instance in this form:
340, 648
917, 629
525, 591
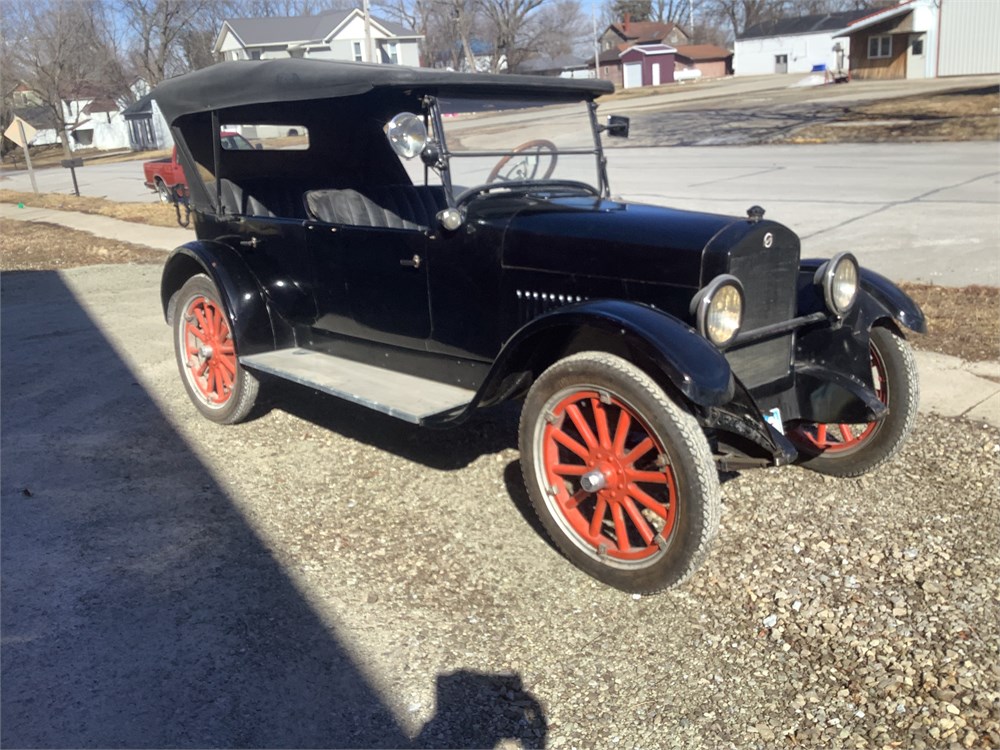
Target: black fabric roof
803, 24
243, 82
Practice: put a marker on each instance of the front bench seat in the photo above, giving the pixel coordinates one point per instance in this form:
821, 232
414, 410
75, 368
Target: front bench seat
385, 206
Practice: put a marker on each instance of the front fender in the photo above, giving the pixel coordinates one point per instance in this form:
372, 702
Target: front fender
664, 346
241, 294
896, 303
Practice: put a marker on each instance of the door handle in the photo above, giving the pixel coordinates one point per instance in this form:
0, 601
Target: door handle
252, 242
413, 262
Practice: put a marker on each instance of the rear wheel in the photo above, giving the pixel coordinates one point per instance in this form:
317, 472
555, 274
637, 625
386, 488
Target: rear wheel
163, 192
619, 475
849, 450
218, 385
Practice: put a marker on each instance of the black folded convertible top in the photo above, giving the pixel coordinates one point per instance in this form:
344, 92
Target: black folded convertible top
233, 84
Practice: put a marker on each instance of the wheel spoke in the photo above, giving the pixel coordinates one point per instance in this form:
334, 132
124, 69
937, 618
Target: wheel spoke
821, 435
575, 499
621, 432
601, 420
199, 313
653, 477
598, 519
201, 369
620, 530
638, 452
647, 500
195, 331
570, 470
567, 442
227, 364
847, 434
640, 523
581, 425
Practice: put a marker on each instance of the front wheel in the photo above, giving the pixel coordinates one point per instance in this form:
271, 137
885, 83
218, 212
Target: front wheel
849, 450
218, 385
619, 475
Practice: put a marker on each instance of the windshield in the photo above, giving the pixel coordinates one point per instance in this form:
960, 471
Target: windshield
493, 141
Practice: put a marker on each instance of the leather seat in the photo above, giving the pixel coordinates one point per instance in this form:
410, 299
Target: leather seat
383, 206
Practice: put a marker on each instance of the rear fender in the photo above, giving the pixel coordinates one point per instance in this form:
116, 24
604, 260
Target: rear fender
241, 294
671, 352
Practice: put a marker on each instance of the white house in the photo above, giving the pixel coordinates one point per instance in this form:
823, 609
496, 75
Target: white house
335, 35
92, 119
793, 45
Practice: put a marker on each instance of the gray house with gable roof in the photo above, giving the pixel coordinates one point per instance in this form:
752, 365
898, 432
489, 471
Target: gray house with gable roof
335, 35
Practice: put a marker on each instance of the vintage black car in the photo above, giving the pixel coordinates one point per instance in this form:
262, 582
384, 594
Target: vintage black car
427, 244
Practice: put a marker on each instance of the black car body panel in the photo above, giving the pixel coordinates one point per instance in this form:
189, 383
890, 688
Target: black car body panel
533, 273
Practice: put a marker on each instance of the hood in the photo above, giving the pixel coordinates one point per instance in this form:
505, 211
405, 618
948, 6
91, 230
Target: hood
601, 238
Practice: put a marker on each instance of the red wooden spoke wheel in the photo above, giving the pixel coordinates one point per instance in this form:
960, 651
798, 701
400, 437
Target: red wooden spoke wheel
836, 438
208, 345
847, 450
608, 476
620, 475
219, 387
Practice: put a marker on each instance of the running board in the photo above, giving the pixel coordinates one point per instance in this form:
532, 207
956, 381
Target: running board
398, 394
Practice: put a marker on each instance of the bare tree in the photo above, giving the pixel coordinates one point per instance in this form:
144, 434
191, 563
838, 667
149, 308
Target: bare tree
158, 29
637, 10
676, 11
60, 50
506, 23
446, 25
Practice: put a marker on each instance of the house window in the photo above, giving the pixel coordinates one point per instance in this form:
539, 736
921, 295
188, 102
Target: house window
390, 53
879, 46
918, 47
358, 57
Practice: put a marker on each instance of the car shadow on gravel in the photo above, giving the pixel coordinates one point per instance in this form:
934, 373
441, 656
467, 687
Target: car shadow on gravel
139, 607
487, 431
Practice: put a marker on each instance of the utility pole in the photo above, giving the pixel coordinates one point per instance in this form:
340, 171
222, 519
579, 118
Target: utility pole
369, 52
597, 44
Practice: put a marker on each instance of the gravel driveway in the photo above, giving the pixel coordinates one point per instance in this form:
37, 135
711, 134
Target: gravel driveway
328, 577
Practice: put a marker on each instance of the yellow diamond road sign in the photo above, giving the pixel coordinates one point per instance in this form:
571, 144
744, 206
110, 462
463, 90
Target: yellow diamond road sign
14, 132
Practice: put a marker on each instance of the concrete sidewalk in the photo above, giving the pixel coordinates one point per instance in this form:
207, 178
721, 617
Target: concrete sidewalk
159, 238
949, 386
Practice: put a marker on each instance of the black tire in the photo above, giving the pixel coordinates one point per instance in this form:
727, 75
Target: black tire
220, 388
596, 529
163, 192
853, 450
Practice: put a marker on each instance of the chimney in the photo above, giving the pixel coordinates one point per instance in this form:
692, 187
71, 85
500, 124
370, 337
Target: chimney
628, 17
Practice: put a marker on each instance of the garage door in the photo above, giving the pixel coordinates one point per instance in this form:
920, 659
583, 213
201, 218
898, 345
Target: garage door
633, 75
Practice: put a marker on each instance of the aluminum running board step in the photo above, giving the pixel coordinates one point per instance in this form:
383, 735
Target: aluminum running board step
398, 394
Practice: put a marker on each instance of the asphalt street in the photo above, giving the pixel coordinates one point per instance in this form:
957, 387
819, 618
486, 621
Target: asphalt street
914, 212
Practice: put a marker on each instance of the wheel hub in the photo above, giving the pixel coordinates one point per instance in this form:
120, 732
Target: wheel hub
593, 481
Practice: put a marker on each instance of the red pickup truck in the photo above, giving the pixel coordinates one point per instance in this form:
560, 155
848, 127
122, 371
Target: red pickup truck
163, 174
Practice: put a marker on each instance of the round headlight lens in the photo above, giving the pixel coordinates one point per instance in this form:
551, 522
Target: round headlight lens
406, 134
839, 277
718, 309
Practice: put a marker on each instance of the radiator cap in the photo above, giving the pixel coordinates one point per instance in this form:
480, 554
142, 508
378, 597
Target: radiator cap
756, 213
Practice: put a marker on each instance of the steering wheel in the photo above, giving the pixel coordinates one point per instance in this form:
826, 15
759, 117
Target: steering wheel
523, 169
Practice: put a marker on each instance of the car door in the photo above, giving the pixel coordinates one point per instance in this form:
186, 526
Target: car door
371, 283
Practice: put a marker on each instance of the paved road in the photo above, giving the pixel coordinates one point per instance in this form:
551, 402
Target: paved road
915, 212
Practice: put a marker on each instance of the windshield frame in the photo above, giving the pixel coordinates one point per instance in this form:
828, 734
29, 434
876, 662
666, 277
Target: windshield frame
438, 157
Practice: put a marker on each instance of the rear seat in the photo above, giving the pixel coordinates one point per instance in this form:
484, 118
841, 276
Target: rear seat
386, 206
268, 199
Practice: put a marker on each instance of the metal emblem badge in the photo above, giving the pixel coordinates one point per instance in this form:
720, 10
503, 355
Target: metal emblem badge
768, 240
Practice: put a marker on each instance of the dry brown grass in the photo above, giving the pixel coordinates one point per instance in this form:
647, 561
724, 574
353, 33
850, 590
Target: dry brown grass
51, 156
157, 214
34, 246
963, 115
962, 322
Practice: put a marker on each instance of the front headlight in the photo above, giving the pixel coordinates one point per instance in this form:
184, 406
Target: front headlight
718, 309
839, 279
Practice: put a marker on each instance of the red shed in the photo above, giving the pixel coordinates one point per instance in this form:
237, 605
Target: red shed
648, 65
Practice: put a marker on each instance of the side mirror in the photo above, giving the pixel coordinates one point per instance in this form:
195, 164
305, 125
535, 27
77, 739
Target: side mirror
617, 126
